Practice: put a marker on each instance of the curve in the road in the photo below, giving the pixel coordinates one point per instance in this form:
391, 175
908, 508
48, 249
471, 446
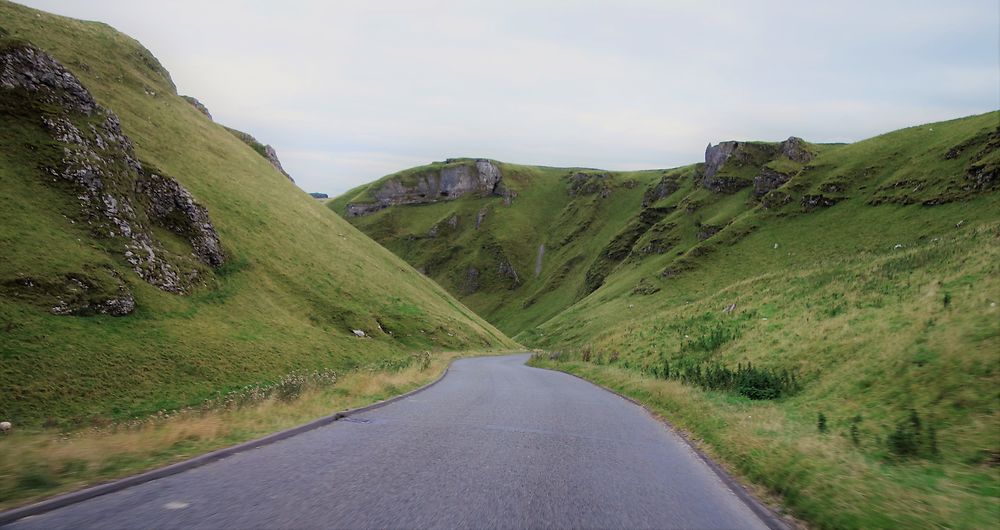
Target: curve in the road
495, 444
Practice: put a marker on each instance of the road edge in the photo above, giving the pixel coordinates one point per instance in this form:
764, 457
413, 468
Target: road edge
74, 497
769, 517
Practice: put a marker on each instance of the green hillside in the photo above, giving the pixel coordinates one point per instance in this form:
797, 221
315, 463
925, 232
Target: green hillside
249, 281
574, 213
747, 295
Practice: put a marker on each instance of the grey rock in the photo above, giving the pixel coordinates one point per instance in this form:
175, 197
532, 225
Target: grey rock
25, 67
717, 155
119, 198
775, 199
708, 231
358, 333
173, 207
581, 183
768, 180
198, 105
458, 178
796, 149
263, 150
811, 202
272, 156
728, 185
662, 190
506, 269
359, 209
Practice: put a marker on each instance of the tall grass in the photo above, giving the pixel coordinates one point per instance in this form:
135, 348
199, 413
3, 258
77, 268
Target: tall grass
37, 463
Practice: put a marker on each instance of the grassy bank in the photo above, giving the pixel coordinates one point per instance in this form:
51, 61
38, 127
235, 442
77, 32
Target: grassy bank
37, 463
819, 477
297, 282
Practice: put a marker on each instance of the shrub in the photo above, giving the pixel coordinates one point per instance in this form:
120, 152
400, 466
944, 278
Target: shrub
908, 438
855, 430
821, 423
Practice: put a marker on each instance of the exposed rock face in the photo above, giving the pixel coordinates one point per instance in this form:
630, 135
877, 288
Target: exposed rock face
263, 150
198, 105
120, 199
506, 269
581, 183
507, 194
455, 179
722, 184
717, 155
775, 199
795, 149
751, 154
37, 72
768, 180
480, 217
101, 291
811, 202
662, 190
272, 156
361, 208
708, 231
173, 208
982, 175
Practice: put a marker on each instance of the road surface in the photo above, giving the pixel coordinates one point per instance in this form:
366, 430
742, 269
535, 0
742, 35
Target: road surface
495, 444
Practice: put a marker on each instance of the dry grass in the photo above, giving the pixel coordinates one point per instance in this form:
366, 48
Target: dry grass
821, 478
35, 464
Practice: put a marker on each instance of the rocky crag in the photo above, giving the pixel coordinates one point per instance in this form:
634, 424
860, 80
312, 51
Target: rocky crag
597, 224
82, 151
446, 181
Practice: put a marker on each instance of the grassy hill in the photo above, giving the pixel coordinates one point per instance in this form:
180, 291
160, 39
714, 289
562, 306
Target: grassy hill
294, 282
463, 244
746, 296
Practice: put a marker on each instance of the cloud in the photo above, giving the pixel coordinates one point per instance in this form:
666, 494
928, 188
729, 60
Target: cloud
349, 91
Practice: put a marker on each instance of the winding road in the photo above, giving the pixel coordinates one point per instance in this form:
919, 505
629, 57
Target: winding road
495, 444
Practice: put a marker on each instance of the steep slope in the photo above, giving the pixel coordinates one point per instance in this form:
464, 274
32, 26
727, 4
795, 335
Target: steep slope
518, 244
825, 316
151, 259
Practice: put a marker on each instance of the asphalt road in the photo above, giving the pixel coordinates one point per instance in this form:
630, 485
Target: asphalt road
495, 444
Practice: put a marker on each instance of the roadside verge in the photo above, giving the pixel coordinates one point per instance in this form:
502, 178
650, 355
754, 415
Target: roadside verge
769, 517
74, 497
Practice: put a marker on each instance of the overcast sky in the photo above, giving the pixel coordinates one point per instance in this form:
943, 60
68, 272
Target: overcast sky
348, 91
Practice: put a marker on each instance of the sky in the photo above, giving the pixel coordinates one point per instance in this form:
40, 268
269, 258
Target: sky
348, 91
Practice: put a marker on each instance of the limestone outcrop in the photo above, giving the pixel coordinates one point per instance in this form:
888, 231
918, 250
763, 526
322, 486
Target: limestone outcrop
449, 181
120, 200
727, 158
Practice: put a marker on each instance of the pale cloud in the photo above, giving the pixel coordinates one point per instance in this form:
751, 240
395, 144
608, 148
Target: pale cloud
349, 91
